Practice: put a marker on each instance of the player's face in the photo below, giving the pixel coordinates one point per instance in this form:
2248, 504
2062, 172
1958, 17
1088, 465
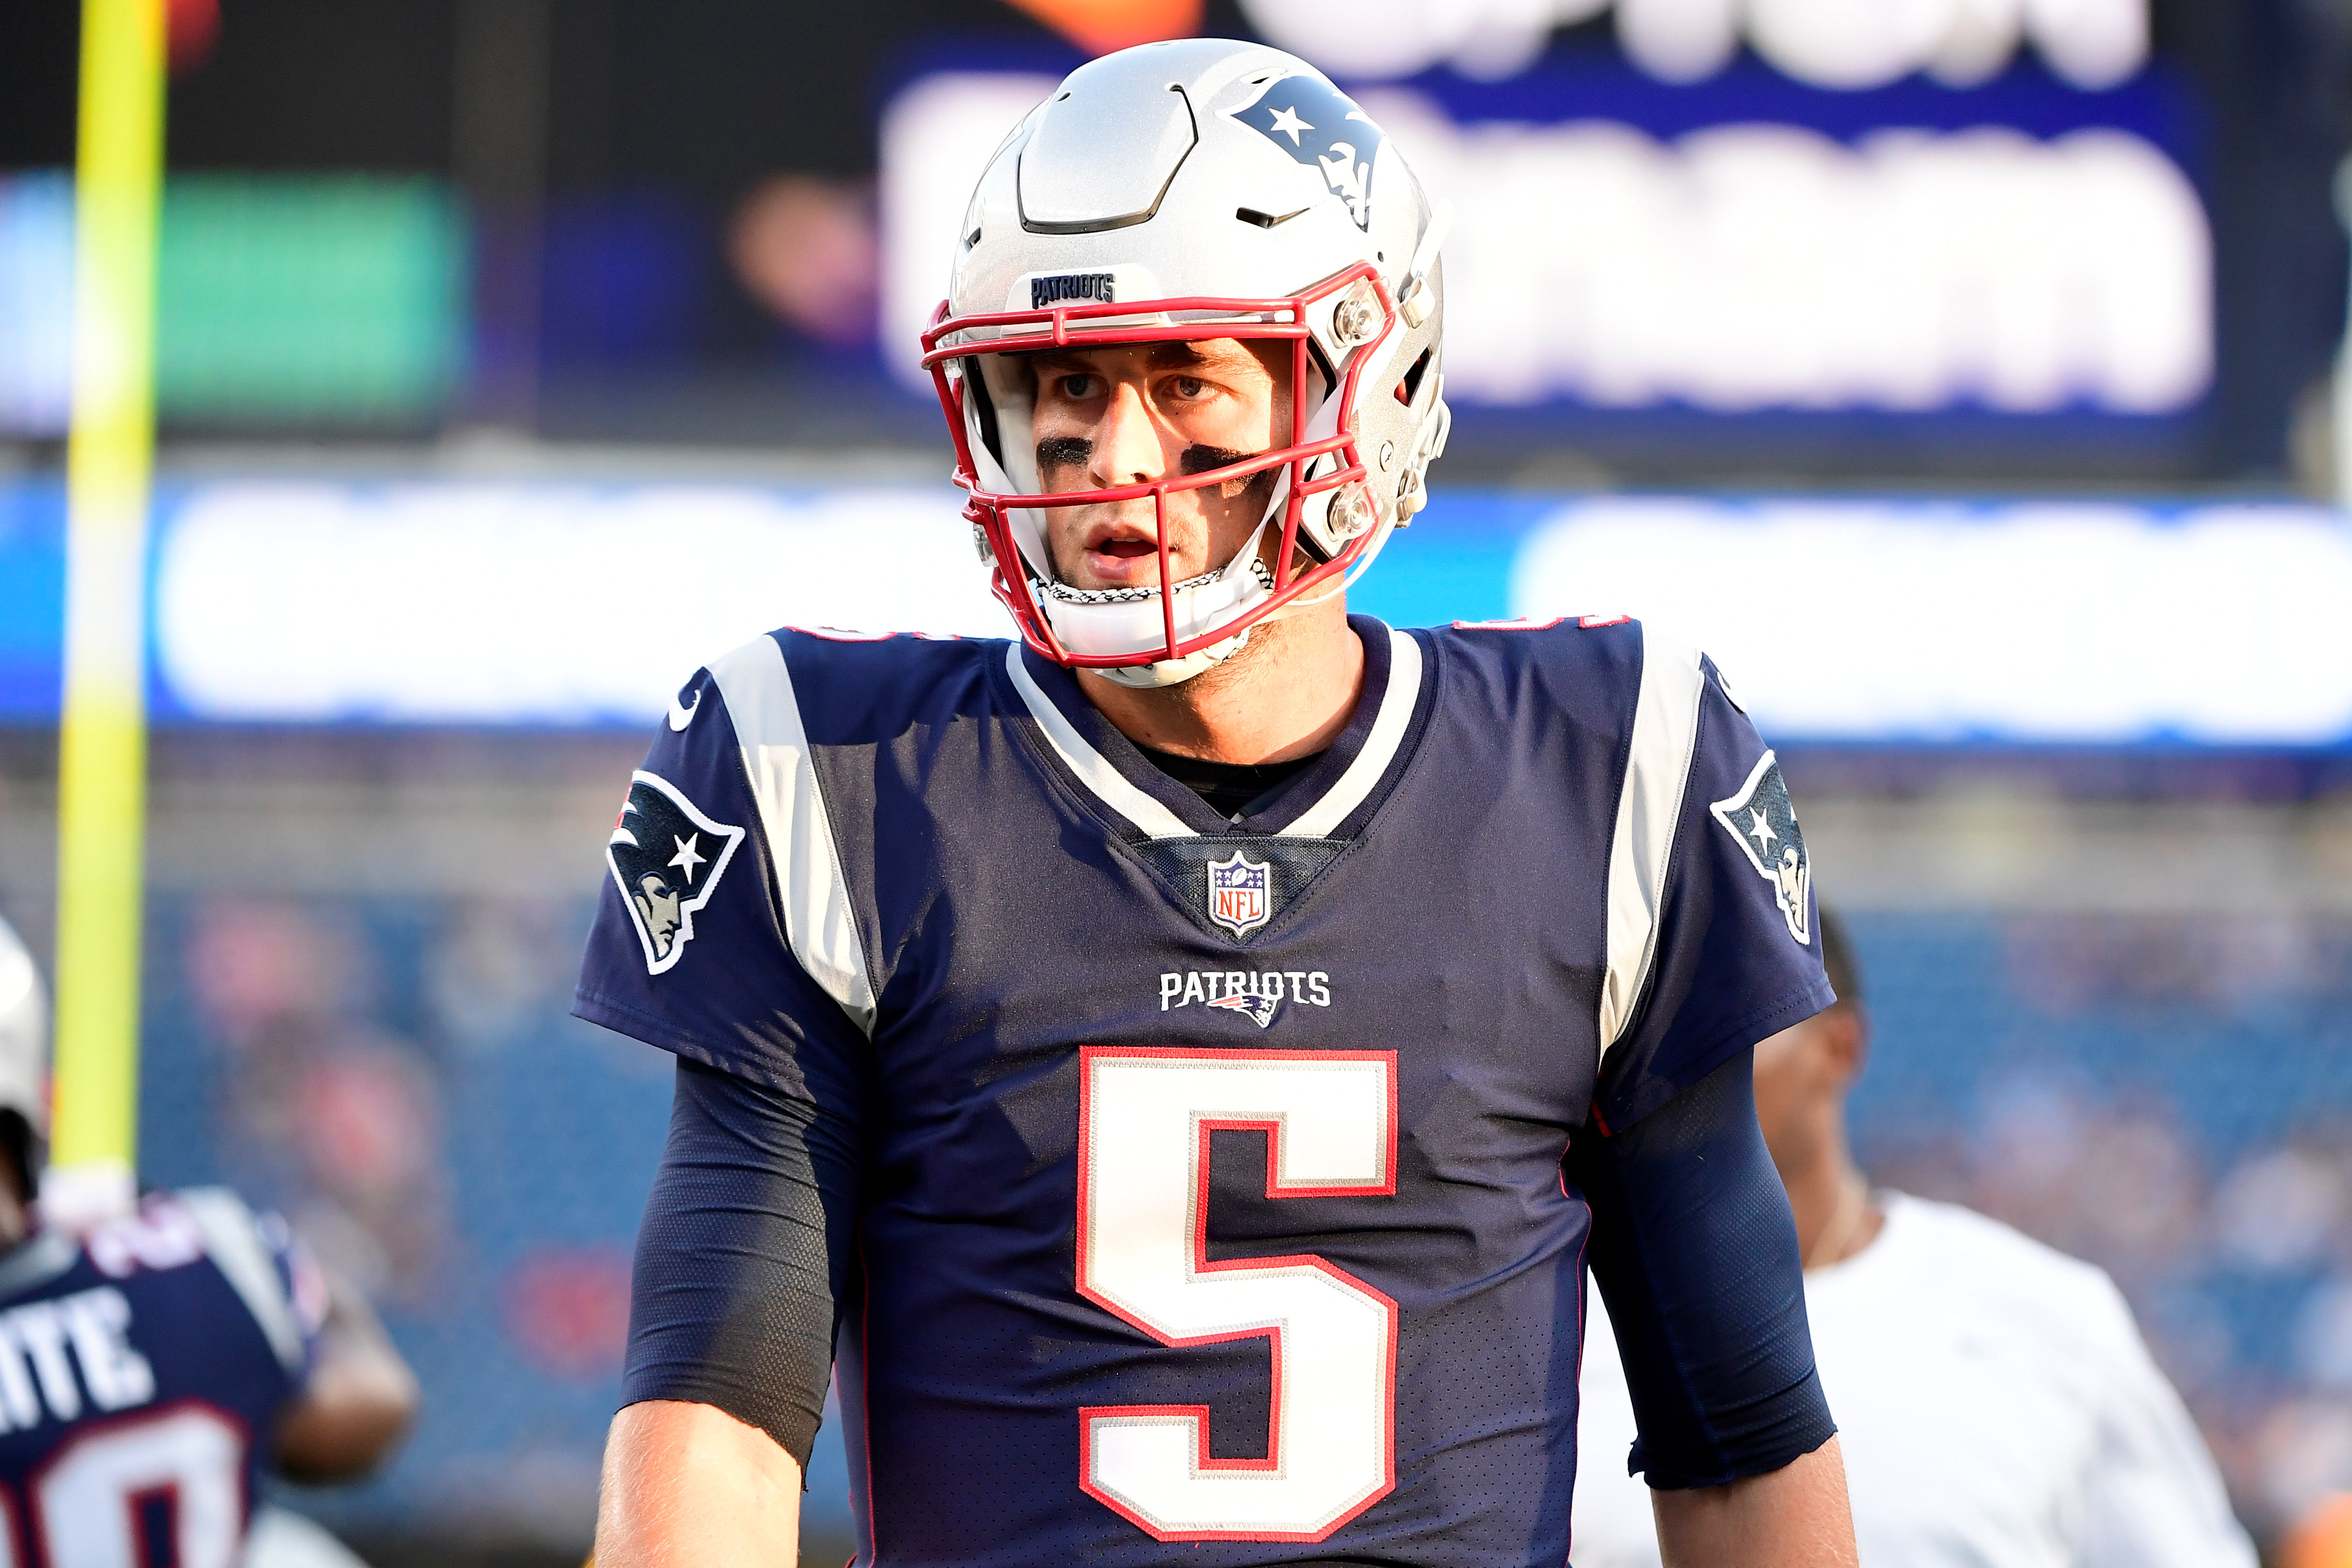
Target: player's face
1137, 413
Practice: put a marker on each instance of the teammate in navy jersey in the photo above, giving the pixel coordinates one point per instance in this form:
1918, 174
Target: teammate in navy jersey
151, 1367
1182, 1062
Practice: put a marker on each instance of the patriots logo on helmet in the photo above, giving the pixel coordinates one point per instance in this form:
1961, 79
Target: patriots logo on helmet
1239, 889
1762, 820
1321, 127
1258, 1009
666, 858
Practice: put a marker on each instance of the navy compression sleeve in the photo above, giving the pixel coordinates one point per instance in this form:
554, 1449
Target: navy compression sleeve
741, 1257
1695, 1253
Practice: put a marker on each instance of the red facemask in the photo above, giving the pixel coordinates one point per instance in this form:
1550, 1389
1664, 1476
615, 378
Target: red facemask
947, 344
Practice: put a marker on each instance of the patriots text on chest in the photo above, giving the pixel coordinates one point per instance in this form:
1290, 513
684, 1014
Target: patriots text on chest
1183, 988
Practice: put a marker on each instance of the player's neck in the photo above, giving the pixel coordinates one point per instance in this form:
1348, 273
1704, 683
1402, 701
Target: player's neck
1829, 1199
1287, 694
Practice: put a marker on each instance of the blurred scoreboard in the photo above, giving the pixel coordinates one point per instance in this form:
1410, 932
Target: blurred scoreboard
1857, 218
1877, 225
291, 301
1847, 44
1850, 620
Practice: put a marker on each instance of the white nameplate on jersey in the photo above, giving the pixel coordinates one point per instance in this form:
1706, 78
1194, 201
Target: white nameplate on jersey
1241, 893
1765, 824
666, 858
96, 1324
1256, 994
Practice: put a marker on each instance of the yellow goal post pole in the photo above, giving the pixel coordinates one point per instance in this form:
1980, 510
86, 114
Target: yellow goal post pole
102, 739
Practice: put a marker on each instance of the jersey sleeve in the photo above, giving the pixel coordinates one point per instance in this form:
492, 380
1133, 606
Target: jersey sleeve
1696, 1254
2154, 1499
743, 1257
719, 844
1712, 943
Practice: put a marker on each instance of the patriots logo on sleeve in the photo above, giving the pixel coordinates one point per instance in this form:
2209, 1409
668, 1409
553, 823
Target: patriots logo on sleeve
1762, 820
1321, 127
667, 857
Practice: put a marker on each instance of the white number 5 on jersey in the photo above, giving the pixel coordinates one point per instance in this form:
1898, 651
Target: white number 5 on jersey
1144, 1120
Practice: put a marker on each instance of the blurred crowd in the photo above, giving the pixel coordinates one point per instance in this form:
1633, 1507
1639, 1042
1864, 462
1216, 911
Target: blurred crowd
401, 1079
2165, 1097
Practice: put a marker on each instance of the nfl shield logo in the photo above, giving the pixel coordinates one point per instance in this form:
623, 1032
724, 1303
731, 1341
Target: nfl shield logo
1238, 889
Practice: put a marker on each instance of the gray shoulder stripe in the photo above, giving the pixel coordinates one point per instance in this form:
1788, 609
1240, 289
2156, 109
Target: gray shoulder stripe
1380, 746
238, 1252
1649, 808
819, 922
1093, 768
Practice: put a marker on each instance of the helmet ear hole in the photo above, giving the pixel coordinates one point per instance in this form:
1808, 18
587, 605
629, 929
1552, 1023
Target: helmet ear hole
1321, 377
984, 407
1408, 390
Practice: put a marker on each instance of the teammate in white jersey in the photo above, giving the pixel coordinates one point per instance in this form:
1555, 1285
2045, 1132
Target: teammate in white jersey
1998, 1406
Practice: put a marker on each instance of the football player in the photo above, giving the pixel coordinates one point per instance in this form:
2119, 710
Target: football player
152, 1367
1999, 1404
1183, 1059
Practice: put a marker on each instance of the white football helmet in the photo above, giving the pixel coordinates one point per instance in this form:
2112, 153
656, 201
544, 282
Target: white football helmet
1199, 188
24, 1034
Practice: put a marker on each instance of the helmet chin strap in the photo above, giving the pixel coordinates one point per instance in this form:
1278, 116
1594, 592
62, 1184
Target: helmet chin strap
1162, 673
1167, 673
1063, 593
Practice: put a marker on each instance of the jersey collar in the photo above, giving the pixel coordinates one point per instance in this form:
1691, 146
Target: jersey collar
1325, 801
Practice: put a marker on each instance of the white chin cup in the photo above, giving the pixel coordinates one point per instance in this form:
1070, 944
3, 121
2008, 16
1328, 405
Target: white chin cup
1174, 672
1129, 626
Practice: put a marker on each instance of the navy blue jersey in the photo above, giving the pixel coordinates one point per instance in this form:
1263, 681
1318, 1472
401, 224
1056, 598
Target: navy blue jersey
1211, 1199
141, 1368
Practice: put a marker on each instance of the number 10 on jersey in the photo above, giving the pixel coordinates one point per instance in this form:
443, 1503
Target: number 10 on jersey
1145, 1117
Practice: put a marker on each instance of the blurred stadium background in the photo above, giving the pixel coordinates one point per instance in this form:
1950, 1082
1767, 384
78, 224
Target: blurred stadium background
1961, 370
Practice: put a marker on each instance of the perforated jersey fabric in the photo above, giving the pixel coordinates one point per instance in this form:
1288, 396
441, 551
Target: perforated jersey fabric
924, 888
